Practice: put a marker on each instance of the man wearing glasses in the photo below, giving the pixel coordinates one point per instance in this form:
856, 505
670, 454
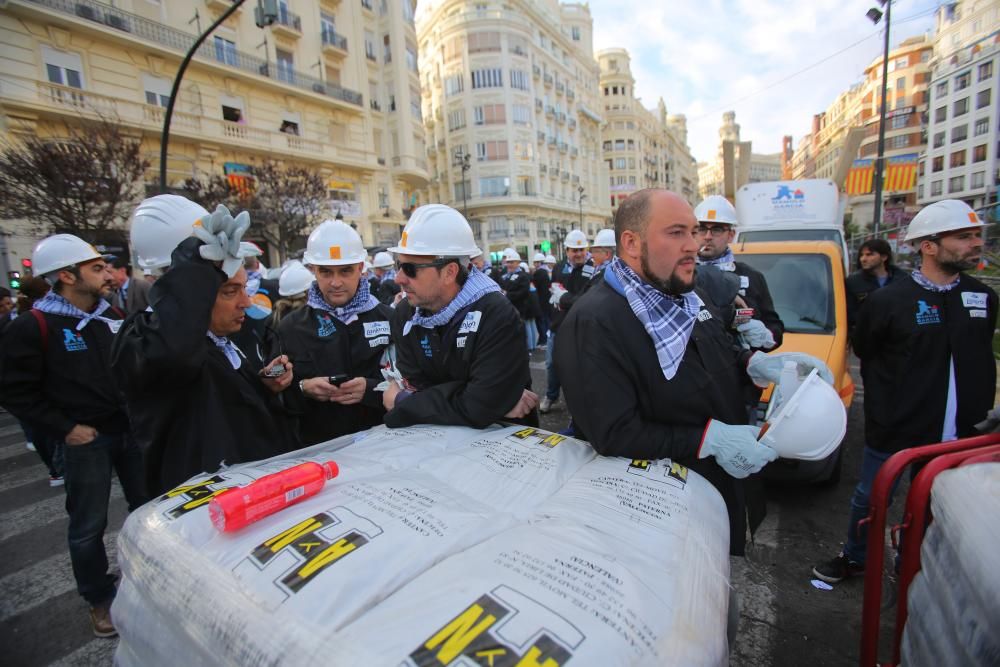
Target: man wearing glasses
459, 341
716, 230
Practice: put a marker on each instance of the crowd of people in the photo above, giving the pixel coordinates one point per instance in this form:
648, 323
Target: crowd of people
646, 331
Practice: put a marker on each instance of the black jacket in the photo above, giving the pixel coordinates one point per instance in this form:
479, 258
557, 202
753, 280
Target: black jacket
319, 345
63, 380
576, 280
470, 371
384, 290
906, 337
197, 410
517, 286
542, 281
860, 285
753, 289
632, 410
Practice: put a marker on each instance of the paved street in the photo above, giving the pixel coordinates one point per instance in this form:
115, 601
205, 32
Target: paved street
784, 619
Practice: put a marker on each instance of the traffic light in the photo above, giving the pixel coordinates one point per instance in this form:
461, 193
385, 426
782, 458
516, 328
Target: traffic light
546, 247
26, 265
14, 278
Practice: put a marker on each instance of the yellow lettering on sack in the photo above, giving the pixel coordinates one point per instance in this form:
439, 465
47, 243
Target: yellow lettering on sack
331, 554
524, 433
677, 471
641, 464
553, 439
457, 635
530, 659
285, 538
491, 654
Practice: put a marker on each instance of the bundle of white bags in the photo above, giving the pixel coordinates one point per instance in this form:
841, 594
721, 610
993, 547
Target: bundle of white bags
436, 546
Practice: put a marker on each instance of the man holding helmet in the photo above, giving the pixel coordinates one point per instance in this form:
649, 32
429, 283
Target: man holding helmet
716, 230
925, 345
459, 341
54, 374
158, 226
336, 341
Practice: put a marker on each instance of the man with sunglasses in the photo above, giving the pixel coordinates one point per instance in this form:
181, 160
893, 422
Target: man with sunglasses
716, 230
459, 341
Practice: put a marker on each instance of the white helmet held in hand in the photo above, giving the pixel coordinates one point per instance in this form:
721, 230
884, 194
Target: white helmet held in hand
59, 252
436, 230
605, 238
158, 225
717, 209
576, 239
334, 243
383, 260
295, 279
947, 215
810, 424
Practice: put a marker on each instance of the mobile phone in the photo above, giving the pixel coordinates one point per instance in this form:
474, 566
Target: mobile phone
274, 371
339, 379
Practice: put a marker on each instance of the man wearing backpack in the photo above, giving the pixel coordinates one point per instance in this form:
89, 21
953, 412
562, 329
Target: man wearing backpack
55, 373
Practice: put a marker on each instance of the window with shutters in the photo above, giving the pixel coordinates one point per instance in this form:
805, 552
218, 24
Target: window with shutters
487, 78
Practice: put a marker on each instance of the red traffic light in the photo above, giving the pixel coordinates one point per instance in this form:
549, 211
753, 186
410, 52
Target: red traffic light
26, 262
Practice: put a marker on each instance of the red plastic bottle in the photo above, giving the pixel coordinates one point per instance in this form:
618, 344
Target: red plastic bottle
238, 507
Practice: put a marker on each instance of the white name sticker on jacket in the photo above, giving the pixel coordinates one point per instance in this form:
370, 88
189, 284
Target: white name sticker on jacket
588, 270
704, 315
381, 340
115, 325
744, 282
373, 329
460, 342
471, 322
974, 299
977, 313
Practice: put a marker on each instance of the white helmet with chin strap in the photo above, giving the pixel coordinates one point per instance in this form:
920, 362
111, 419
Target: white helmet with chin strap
947, 215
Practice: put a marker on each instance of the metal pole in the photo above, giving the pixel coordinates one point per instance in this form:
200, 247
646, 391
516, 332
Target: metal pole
880, 158
165, 137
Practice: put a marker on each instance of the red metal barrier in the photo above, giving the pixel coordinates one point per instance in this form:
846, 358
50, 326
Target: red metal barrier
884, 480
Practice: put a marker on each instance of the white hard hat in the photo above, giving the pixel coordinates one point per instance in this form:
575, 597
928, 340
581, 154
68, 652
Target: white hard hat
947, 215
524, 265
511, 255
61, 251
477, 253
809, 425
438, 230
550, 259
383, 260
576, 239
539, 257
160, 223
295, 279
717, 209
334, 243
605, 239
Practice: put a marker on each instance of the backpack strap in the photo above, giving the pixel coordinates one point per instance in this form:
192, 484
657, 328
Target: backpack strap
43, 327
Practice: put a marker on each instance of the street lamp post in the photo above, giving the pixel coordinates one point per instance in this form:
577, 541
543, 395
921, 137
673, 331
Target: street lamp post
580, 191
463, 163
875, 15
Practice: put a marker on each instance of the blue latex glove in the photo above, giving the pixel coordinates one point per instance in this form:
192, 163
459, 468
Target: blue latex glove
755, 335
764, 369
735, 448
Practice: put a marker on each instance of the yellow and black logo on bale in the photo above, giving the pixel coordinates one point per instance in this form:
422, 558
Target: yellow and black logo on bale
198, 495
503, 628
315, 552
673, 473
535, 437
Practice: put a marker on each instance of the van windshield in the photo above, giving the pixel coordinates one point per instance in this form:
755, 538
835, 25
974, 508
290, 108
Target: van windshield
801, 286
758, 236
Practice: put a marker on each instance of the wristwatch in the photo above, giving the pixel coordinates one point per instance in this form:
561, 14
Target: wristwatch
302, 389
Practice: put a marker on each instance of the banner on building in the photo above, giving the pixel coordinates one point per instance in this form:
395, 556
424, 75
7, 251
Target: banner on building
239, 177
859, 177
901, 173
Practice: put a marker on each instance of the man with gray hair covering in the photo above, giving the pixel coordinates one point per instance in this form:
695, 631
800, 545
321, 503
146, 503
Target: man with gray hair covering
459, 342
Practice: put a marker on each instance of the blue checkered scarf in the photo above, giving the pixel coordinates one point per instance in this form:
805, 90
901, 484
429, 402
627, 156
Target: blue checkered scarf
54, 304
476, 287
388, 276
726, 261
362, 302
924, 282
233, 354
668, 320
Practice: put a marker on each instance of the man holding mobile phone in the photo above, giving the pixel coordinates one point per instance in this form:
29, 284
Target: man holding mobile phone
336, 340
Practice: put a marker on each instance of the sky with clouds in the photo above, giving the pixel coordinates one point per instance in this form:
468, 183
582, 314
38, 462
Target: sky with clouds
705, 57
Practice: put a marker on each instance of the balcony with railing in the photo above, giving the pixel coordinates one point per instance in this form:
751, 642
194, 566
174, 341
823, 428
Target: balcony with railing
220, 5
541, 137
536, 71
572, 123
550, 111
552, 141
560, 117
287, 24
538, 104
563, 147
560, 88
549, 81
333, 44
146, 31
570, 95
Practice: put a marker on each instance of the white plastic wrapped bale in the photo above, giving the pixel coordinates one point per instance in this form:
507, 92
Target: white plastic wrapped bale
954, 602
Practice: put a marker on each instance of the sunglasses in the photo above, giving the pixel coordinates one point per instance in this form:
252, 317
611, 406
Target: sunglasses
714, 231
410, 269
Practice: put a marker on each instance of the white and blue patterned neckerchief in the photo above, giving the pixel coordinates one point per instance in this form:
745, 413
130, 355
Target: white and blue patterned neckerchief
388, 276
925, 282
668, 320
362, 302
476, 286
54, 304
233, 353
725, 262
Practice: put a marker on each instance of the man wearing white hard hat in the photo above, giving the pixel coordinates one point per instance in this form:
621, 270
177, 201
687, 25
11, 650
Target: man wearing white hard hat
157, 226
716, 230
200, 400
515, 283
602, 251
459, 341
54, 374
337, 340
383, 283
570, 279
926, 353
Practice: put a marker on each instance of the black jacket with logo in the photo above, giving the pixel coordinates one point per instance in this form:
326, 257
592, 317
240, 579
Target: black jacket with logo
319, 345
906, 337
632, 410
64, 379
860, 285
199, 412
470, 371
753, 289
576, 280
